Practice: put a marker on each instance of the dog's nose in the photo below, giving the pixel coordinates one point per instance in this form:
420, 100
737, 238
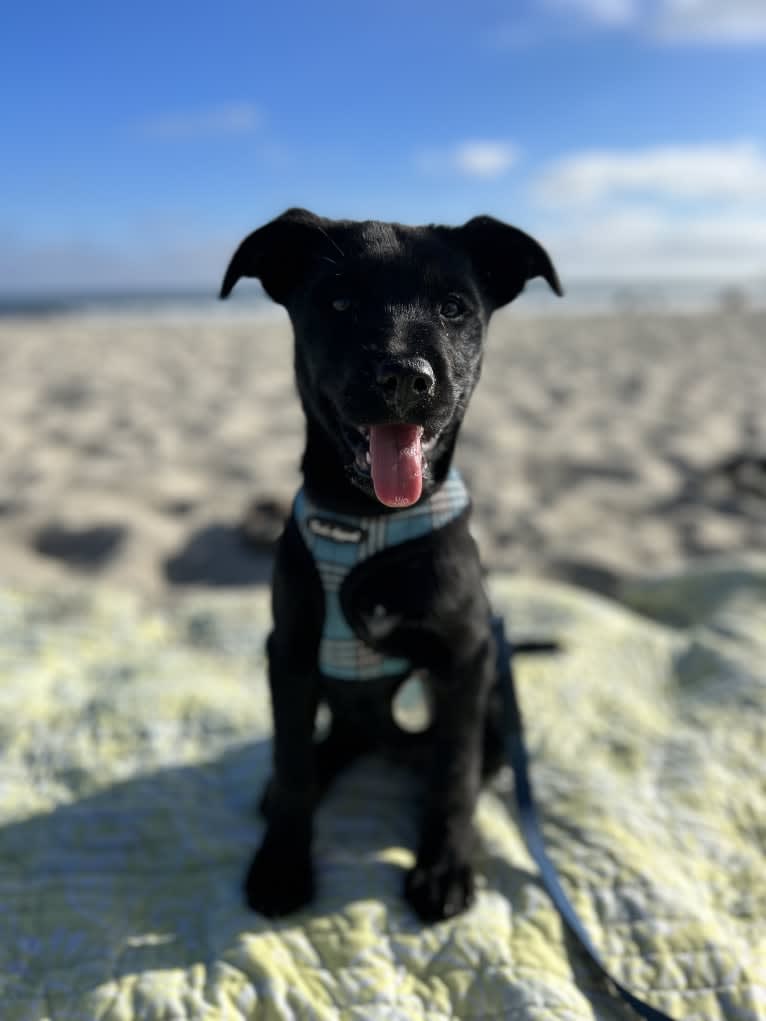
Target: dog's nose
405, 382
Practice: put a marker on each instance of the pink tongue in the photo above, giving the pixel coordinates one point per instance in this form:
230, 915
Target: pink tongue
396, 462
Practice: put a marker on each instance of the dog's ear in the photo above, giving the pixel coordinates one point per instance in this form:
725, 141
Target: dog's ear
278, 254
505, 258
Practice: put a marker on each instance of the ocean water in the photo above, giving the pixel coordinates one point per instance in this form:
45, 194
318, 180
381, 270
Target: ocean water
582, 297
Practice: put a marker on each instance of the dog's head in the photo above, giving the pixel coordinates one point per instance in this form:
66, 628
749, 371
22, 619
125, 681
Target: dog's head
389, 323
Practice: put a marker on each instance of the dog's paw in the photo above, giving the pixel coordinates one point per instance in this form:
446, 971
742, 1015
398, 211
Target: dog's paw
280, 880
440, 890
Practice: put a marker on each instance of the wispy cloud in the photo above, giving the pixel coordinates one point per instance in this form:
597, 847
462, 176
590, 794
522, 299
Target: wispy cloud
712, 21
732, 172
647, 243
680, 211
228, 119
147, 261
602, 12
476, 158
680, 22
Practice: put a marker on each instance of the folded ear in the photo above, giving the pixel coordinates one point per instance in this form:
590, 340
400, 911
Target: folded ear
278, 254
505, 258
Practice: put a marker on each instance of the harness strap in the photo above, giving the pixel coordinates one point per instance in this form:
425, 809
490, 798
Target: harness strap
341, 544
517, 756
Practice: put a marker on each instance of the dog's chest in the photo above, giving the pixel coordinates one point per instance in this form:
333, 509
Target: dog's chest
347, 548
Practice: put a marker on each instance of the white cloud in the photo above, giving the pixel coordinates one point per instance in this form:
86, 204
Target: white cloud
724, 172
675, 211
229, 119
639, 243
485, 159
717, 22
711, 21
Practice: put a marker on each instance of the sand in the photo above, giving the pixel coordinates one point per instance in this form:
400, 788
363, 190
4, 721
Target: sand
132, 450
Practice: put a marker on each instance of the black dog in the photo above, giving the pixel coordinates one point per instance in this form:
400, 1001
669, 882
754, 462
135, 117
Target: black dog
376, 573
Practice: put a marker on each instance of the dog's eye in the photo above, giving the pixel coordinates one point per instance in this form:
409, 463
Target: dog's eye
341, 304
452, 308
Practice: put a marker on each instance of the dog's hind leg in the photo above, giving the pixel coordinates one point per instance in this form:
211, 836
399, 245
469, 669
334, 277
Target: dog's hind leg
493, 746
332, 755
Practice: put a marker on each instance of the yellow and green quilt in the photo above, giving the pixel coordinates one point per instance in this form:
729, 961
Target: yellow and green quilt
134, 740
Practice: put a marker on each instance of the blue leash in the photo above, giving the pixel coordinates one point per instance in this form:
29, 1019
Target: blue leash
516, 753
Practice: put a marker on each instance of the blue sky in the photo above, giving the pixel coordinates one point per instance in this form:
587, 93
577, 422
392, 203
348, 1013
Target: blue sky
141, 141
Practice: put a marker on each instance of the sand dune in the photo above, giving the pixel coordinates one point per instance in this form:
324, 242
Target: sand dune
132, 449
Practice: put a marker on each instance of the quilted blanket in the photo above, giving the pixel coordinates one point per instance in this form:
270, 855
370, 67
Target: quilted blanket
135, 738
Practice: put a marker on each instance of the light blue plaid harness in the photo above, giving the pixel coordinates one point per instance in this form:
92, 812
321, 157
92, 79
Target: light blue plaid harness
340, 542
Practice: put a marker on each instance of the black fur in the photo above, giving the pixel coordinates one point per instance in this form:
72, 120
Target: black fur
389, 325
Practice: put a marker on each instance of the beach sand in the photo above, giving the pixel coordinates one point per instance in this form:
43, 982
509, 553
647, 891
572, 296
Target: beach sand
133, 451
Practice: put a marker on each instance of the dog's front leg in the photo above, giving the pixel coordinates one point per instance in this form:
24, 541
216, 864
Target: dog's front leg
280, 878
441, 884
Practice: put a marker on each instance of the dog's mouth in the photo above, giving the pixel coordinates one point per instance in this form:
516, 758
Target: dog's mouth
393, 458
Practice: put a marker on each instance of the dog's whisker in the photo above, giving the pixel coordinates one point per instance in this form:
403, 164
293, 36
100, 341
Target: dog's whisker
332, 241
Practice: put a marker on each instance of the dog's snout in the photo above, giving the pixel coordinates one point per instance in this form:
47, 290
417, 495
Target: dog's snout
405, 382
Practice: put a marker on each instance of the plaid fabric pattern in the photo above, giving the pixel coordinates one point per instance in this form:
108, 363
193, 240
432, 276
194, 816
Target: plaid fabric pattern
339, 542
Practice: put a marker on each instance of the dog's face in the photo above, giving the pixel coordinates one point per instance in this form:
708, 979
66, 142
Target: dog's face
389, 324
